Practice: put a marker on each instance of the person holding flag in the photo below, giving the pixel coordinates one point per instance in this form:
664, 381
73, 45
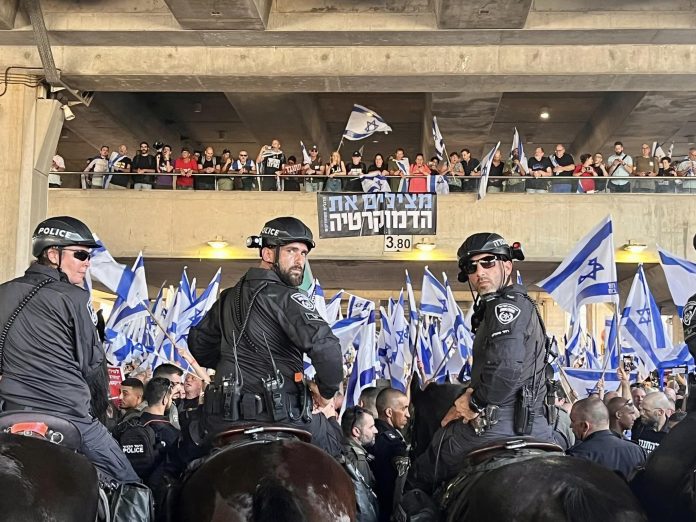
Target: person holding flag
51, 357
509, 373
256, 334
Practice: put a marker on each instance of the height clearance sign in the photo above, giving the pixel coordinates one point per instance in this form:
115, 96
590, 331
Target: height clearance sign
378, 214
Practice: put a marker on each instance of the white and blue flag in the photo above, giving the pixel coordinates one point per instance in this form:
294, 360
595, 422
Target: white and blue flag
440, 149
306, 158
363, 374
437, 184
433, 295
402, 360
413, 315
363, 123
681, 278
374, 181
117, 277
584, 381
518, 146
588, 273
485, 171
641, 325
404, 167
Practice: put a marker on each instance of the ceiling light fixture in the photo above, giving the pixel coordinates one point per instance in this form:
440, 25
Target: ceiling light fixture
218, 243
544, 114
68, 114
634, 247
426, 246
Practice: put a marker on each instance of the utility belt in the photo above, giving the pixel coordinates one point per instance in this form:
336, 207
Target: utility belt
229, 402
487, 418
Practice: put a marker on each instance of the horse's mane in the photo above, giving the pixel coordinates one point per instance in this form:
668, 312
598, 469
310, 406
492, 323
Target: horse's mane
273, 502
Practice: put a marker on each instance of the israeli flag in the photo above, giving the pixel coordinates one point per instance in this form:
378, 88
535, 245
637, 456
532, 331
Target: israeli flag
433, 295
363, 123
374, 182
404, 169
641, 325
437, 184
346, 330
610, 341
306, 158
440, 150
357, 305
425, 352
584, 381
518, 146
681, 278
363, 374
574, 345
385, 350
117, 277
333, 308
413, 316
485, 170
588, 273
402, 361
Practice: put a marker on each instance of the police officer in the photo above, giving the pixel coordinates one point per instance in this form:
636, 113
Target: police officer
508, 383
51, 349
359, 433
689, 324
256, 335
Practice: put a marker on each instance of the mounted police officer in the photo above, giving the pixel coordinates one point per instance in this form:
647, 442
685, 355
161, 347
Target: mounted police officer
508, 382
50, 351
689, 324
256, 335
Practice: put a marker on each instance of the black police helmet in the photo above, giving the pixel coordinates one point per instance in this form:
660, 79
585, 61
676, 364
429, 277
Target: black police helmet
694, 241
282, 231
486, 243
61, 231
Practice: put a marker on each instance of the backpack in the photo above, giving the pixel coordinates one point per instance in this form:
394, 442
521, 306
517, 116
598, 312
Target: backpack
140, 444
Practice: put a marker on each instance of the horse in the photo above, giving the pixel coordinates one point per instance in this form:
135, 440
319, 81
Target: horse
41, 481
545, 488
667, 485
265, 477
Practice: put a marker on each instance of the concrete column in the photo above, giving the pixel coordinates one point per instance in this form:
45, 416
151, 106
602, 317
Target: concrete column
8, 12
494, 14
221, 14
29, 132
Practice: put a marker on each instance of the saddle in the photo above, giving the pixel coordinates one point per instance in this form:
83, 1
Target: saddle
246, 433
42, 426
508, 448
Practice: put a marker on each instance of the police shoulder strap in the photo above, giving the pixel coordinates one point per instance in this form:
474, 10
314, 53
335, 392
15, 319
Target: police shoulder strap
15, 314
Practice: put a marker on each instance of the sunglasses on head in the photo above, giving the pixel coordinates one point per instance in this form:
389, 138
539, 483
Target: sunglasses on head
80, 255
487, 262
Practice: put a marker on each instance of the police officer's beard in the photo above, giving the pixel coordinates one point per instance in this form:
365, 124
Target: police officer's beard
288, 277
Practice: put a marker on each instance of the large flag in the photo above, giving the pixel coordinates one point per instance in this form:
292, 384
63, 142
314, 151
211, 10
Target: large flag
413, 317
588, 273
584, 381
117, 277
440, 149
363, 374
402, 360
641, 325
518, 146
433, 295
333, 308
306, 158
437, 184
374, 182
681, 277
363, 123
485, 170
405, 170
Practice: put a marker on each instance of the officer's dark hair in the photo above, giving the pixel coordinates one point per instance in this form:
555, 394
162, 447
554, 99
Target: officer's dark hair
165, 370
134, 383
386, 399
156, 389
368, 398
352, 418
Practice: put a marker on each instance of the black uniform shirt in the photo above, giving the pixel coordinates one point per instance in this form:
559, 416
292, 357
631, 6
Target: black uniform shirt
283, 320
389, 444
51, 347
689, 323
612, 452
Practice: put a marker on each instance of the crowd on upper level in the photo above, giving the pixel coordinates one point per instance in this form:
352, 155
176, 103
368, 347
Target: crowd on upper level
271, 170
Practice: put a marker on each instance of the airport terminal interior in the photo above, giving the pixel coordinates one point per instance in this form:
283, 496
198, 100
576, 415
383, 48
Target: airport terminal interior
237, 74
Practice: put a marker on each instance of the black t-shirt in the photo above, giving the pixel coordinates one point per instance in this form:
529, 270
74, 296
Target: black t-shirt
201, 181
535, 164
273, 163
470, 166
650, 439
143, 162
563, 161
496, 171
662, 173
122, 165
355, 170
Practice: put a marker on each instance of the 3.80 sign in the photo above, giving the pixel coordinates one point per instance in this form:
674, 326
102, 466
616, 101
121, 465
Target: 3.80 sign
398, 243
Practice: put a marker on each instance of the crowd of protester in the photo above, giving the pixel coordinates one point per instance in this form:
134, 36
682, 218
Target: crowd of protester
271, 170
617, 429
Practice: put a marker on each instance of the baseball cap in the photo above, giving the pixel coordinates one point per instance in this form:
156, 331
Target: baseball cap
356, 154
314, 147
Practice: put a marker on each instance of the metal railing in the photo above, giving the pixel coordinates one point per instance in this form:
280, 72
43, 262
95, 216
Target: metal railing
235, 181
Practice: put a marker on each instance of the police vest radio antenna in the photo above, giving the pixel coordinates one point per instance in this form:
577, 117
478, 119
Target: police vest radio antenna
276, 374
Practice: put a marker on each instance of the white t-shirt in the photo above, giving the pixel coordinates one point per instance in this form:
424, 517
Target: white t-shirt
621, 171
58, 162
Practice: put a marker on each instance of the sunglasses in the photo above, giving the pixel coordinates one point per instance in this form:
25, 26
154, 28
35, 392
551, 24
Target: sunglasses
80, 255
487, 262
628, 403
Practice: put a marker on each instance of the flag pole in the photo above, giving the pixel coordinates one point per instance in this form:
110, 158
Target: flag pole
573, 394
340, 144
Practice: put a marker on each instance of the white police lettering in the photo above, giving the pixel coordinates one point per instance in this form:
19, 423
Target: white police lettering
268, 231
501, 332
498, 242
53, 232
312, 316
302, 300
689, 311
506, 313
133, 448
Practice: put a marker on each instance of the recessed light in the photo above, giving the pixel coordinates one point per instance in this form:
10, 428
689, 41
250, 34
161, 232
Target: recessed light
544, 114
634, 247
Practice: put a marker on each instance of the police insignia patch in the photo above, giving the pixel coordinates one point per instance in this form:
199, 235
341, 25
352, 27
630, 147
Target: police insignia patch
92, 313
506, 313
302, 300
689, 311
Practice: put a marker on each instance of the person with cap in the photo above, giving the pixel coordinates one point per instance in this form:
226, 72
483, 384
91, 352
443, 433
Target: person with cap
355, 170
51, 358
256, 334
315, 168
509, 372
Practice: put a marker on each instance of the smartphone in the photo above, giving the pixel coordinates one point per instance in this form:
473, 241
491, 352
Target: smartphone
680, 370
627, 362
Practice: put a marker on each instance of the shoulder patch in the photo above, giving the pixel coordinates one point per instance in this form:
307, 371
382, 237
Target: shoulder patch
302, 300
311, 316
390, 435
506, 313
689, 311
92, 313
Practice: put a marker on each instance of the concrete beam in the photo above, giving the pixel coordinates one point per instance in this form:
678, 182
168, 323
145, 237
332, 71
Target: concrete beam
8, 13
492, 14
221, 14
604, 122
286, 117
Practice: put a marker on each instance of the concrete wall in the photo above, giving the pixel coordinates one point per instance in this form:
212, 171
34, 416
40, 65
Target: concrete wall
178, 224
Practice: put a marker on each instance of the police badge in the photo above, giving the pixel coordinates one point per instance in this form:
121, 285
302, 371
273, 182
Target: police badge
506, 313
304, 301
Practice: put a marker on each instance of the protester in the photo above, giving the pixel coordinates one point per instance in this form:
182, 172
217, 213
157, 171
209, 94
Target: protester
143, 167
131, 398
359, 431
368, 399
655, 410
622, 416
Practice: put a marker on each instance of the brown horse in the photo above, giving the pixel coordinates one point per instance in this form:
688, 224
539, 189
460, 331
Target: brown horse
266, 480
40, 481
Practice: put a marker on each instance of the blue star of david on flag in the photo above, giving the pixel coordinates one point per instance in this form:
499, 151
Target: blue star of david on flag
595, 267
643, 315
371, 126
401, 336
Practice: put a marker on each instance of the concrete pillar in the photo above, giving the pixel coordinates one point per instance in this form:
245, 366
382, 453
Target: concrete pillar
8, 12
221, 14
29, 132
494, 14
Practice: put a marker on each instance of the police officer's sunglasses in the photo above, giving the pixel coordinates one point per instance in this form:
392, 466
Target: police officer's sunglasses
485, 262
80, 255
